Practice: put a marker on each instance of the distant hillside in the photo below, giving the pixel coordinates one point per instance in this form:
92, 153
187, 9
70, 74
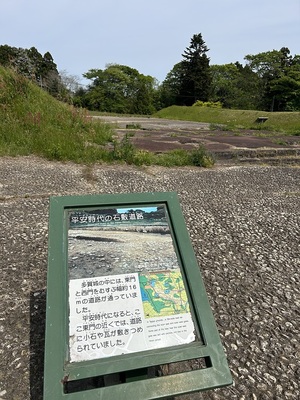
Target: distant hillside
284, 122
33, 122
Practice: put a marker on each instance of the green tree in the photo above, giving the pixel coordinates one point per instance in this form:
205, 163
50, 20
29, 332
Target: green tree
170, 87
279, 74
80, 98
121, 89
7, 55
235, 86
31, 64
195, 73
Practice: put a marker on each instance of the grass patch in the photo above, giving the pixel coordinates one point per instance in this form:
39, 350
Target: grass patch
33, 122
126, 151
111, 114
133, 126
283, 122
280, 142
179, 158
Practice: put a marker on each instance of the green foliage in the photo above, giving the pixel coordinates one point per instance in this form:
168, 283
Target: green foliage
209, 104
31, 64
268, 81
119, 89
124, 150
201, 158
178, 158
133, 126
195, 78
190, 79
279, 74
169, 89
174, 158
235, 86
144, 157
280, 141
33, 122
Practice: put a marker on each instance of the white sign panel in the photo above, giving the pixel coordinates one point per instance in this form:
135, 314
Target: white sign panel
126, 313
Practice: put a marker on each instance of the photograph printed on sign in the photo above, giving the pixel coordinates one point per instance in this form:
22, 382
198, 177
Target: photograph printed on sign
126, 291
116, 241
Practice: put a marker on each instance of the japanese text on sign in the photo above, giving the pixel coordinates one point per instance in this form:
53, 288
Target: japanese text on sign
104, 218
107, 318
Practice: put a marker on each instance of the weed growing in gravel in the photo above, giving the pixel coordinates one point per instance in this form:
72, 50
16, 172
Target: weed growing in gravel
124, 150
133, 126
280, 142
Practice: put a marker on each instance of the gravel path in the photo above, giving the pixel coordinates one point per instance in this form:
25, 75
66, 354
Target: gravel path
245, 228
154, 123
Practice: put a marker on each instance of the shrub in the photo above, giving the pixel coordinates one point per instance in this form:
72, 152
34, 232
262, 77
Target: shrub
144, 157
209, 104
201, 158
124, 150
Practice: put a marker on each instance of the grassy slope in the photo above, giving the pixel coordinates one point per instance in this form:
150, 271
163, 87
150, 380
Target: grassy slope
284, 122
33, 122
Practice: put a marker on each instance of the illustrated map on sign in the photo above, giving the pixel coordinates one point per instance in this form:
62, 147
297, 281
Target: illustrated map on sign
163, 294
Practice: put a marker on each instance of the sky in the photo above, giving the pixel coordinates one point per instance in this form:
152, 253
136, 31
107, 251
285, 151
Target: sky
148, 36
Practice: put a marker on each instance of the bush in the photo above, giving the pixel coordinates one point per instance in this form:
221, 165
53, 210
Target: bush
209, 104
144, 157
201, 158
124, 151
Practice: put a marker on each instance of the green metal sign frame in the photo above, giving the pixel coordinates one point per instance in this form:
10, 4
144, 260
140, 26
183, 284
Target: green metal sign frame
96, 378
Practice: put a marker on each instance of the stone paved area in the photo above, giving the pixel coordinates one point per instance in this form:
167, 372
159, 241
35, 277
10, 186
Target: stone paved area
244, 223
159, 135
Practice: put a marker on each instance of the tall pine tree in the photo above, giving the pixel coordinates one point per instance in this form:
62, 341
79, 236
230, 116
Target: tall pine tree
195, 73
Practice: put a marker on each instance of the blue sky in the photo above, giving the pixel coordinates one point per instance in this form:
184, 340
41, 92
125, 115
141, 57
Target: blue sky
146, 209
147, 35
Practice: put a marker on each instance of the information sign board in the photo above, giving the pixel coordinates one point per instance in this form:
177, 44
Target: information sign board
125, 298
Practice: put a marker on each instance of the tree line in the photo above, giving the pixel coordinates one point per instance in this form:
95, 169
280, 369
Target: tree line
39, 68
268, 81
32, 64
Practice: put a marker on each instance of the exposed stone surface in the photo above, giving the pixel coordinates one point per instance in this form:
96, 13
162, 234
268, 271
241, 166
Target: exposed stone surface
244, 224
255, 146
120, 252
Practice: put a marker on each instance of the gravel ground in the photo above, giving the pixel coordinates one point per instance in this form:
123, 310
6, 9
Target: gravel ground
121, 253
245, 228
